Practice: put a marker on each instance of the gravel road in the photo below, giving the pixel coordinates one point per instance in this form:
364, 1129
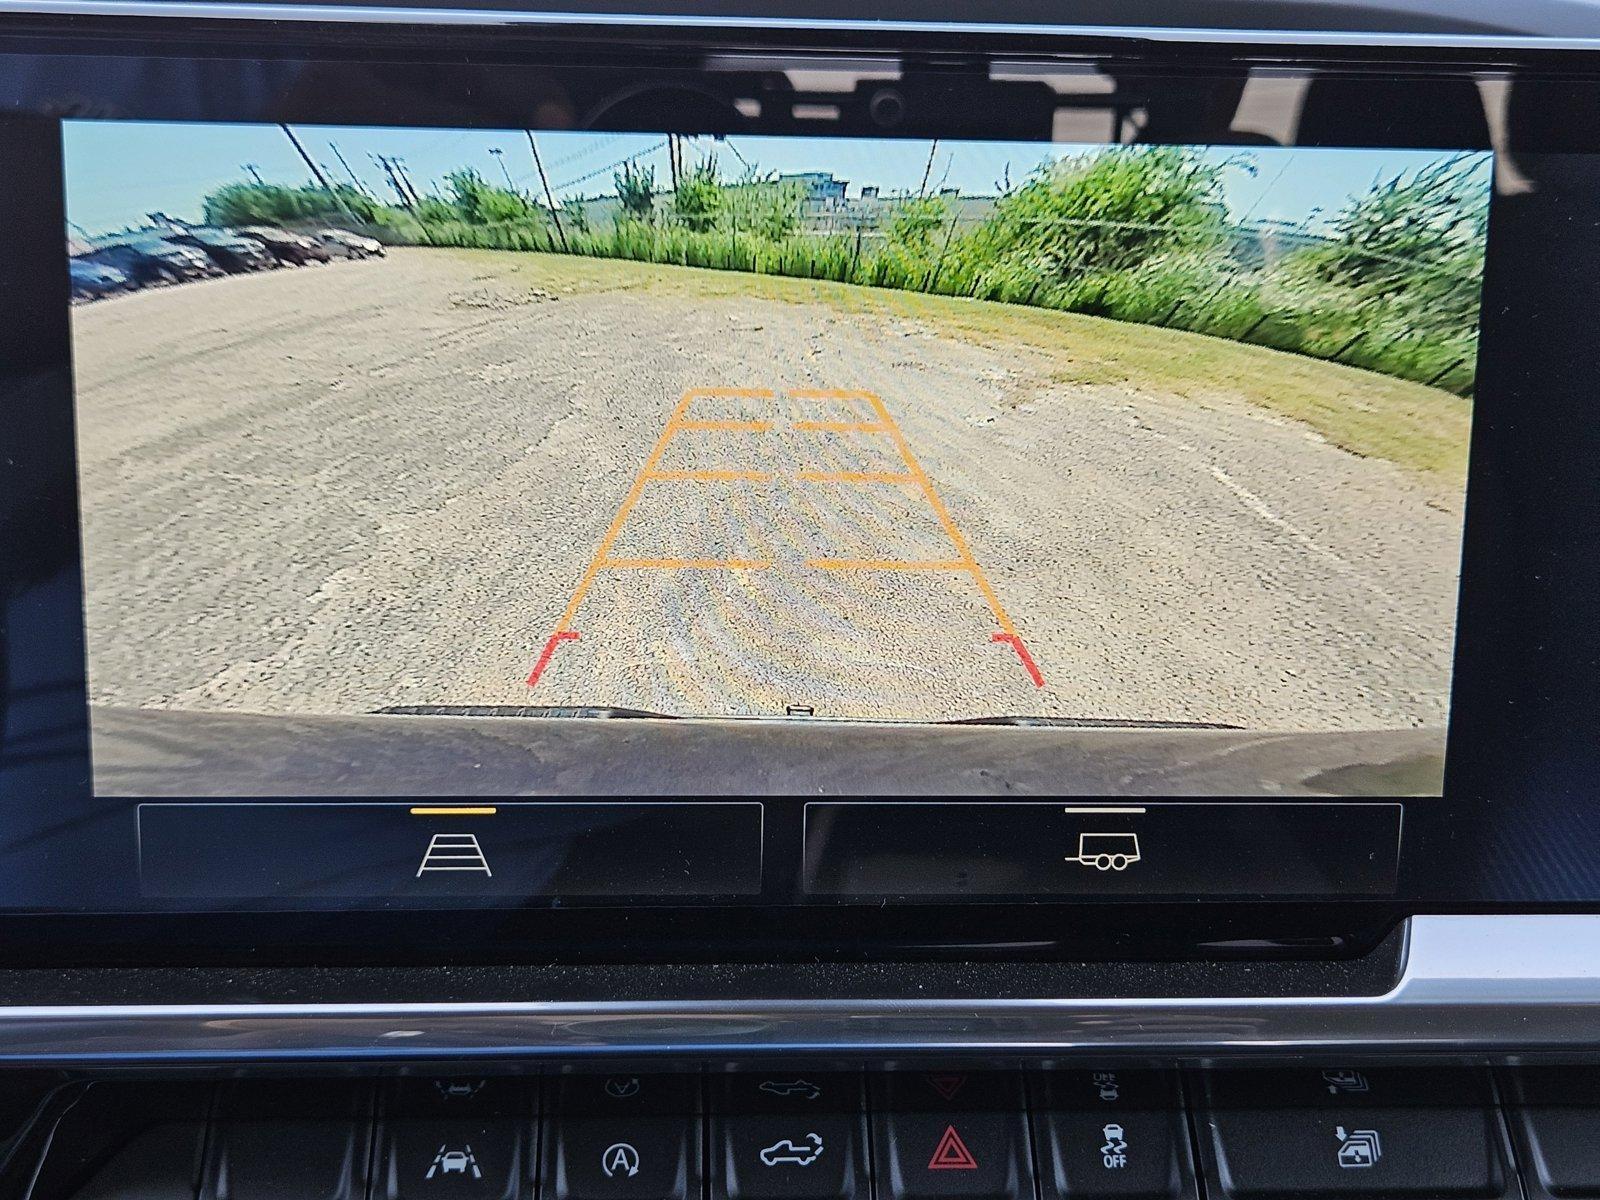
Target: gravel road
336, 489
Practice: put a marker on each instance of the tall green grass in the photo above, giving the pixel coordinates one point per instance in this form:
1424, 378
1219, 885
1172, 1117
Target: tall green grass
1196, 294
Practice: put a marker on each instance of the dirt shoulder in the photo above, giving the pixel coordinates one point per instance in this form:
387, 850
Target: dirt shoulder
1368, 414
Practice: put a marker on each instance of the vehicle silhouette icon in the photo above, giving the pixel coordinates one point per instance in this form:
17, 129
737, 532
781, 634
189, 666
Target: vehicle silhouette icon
796, 1087
455, 1162
784, 1151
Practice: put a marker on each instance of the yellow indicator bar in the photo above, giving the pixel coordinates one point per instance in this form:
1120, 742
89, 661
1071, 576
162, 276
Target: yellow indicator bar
453, 812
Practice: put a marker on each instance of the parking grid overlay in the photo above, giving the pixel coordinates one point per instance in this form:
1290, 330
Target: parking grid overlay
881, 423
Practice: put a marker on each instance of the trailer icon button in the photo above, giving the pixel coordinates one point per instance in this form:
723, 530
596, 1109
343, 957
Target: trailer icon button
1106, 851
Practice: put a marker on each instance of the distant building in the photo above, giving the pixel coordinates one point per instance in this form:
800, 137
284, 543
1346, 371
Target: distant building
869, 192
949, 191
820, 186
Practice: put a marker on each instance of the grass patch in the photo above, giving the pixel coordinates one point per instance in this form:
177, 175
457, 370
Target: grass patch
1376, 416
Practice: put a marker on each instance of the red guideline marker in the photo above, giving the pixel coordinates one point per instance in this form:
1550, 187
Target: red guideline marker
1022, 653
952, 1154
566, 635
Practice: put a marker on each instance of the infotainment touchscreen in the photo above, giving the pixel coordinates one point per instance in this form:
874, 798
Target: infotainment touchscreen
389, 423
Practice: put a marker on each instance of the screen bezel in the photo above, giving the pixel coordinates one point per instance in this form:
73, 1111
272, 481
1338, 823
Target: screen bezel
1519, 708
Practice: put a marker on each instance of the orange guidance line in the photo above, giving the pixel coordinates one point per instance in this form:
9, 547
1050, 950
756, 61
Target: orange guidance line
685, 564
887, 424
707, 476
841, 426
731, 426
857, 477
940, 511
628, 501
886, 564
676, 423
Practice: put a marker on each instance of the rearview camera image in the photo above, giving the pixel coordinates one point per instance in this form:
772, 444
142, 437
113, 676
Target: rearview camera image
407, 424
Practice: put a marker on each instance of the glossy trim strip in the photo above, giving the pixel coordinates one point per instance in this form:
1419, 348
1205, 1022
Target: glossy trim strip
194, 10
1492, 985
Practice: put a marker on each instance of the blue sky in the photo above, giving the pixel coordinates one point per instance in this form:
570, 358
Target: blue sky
118, 171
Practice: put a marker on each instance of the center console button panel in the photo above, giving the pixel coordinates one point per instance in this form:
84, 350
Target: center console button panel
1323, 1132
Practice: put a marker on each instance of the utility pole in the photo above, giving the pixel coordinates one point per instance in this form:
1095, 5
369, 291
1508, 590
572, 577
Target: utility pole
672, 159
400, 169
254, 173
334, 147
928, 169
500, 157
394, 181
316, 171
549, 196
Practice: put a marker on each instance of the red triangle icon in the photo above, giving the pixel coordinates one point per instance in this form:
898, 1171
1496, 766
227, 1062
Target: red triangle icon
946, 1085
952, 1154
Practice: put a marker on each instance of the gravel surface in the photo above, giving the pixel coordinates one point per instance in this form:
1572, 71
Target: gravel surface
334, 489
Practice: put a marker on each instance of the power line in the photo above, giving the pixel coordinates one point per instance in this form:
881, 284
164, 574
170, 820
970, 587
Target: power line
1265, 191
332, 146
743, 162
561, 187
599, 143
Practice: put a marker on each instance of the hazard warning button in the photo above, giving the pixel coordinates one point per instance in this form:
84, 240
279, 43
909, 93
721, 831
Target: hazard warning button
952, 1154
934, 1147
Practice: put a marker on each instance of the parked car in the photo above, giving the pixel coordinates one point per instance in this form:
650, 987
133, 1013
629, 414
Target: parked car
349, 245
285, 246
148, 260
92, 280
233, 252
